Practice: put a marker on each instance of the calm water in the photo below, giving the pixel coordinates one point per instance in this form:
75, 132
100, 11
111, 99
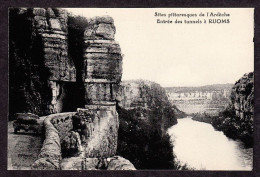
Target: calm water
201, 147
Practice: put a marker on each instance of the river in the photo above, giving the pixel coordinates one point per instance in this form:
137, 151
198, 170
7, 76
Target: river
201, 147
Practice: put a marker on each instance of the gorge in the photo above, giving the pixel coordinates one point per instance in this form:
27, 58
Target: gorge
227, 107
68, 70
223, 138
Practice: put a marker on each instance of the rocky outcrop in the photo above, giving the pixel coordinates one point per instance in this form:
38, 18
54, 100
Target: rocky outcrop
149, 96
140, 93
50, 25
236, 121
242, 97
101, 77
145, 114
119, 163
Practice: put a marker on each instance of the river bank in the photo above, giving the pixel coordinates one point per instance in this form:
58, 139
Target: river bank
202, 117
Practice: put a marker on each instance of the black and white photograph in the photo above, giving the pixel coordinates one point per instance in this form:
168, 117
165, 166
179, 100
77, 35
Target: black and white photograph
130, 89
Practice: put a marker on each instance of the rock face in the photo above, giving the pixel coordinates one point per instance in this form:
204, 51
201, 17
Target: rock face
101, 131
146, 95
208, 99
145, 114
41, 68
50, 82
86, 139
236, 121
51, 26
242, 97
119, 163
140, 93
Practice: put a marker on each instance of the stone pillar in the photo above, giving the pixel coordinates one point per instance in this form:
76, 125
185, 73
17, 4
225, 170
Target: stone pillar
103, 61
103, 71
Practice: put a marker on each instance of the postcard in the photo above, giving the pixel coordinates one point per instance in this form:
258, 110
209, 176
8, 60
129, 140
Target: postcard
131, 89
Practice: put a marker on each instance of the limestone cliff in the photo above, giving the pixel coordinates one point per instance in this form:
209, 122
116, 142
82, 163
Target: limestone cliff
149, 96
209, 99
145, 114
237, 120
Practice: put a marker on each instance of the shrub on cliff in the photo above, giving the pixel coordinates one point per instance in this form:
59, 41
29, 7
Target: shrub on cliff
236, 121
226, 122
142, 141
234, 127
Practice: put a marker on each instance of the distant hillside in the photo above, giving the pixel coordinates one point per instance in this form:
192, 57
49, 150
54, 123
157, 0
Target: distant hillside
214, 87
208, 99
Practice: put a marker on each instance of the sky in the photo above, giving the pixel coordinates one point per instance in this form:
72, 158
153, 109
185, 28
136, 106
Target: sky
182, 54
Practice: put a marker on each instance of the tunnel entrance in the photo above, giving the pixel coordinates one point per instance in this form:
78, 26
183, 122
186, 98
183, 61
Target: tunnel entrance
66, 96
73, 97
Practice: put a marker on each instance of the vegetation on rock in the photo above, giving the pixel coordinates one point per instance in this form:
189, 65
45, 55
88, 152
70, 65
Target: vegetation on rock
142, 141
203, 117
236, 121
145, 114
